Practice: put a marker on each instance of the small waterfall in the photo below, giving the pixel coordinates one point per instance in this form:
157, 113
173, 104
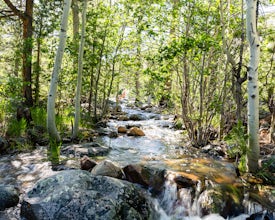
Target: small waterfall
177, 203
184, 203
254, 208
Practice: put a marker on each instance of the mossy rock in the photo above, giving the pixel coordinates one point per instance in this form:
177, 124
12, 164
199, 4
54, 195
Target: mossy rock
223, 199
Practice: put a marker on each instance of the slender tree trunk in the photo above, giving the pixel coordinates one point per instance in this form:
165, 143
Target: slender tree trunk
98, 76
75, 10
27, 19
51, 126
272, 111
79, 75
37, 72
75, 46
253, 89
91, 89
27, 54
37, 69
139, 64
137, 73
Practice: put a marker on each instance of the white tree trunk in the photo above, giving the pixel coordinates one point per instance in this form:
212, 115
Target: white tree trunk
51, 126
253, 150
79, 74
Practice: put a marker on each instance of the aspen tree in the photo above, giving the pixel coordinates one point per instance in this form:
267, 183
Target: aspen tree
252, 87
79, 75
51, 125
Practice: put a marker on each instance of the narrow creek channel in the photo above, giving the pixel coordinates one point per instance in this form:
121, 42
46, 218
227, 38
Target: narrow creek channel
162, 147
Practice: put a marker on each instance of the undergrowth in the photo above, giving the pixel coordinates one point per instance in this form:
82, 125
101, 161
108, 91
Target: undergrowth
237, 142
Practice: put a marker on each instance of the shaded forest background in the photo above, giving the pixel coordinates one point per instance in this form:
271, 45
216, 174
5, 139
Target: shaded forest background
188, 57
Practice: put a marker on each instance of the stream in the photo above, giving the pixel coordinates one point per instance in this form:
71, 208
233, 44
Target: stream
162, 147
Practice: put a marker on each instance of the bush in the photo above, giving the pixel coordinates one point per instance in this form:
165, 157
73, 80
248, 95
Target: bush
39, 116
16, 128
237, 141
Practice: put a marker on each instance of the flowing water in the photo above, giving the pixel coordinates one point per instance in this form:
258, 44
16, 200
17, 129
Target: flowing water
161, 147
164, 147
167, 148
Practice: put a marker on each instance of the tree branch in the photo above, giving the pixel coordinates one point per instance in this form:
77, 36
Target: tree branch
6, 14
17, 12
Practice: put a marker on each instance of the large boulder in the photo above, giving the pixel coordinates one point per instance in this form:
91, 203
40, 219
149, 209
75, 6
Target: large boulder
78, 194
9, 197
137, 117
88, 149
223, 199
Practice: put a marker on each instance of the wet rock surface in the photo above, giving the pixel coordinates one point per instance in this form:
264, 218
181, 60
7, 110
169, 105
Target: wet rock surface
9, 197
149, 177
135, 131
3, 145
80, 195
223, 199
87, 149
87, 164
107, 168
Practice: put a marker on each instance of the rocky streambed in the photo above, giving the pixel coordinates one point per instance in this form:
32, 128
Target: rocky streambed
148, 175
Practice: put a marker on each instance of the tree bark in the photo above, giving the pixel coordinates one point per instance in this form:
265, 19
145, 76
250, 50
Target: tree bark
271, 106
75, 10
79, 75
51, 126
253, 89
27, 20
37, 67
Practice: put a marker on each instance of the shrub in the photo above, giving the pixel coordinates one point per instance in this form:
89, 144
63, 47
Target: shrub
16, 128
237, 141
39, 116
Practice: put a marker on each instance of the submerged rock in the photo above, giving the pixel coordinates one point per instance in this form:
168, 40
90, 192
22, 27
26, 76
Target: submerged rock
135, 131
113, 134
214, 151
137, 117
263, 215
122, 129
88, 149
9, 197
80, 195
184, 182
